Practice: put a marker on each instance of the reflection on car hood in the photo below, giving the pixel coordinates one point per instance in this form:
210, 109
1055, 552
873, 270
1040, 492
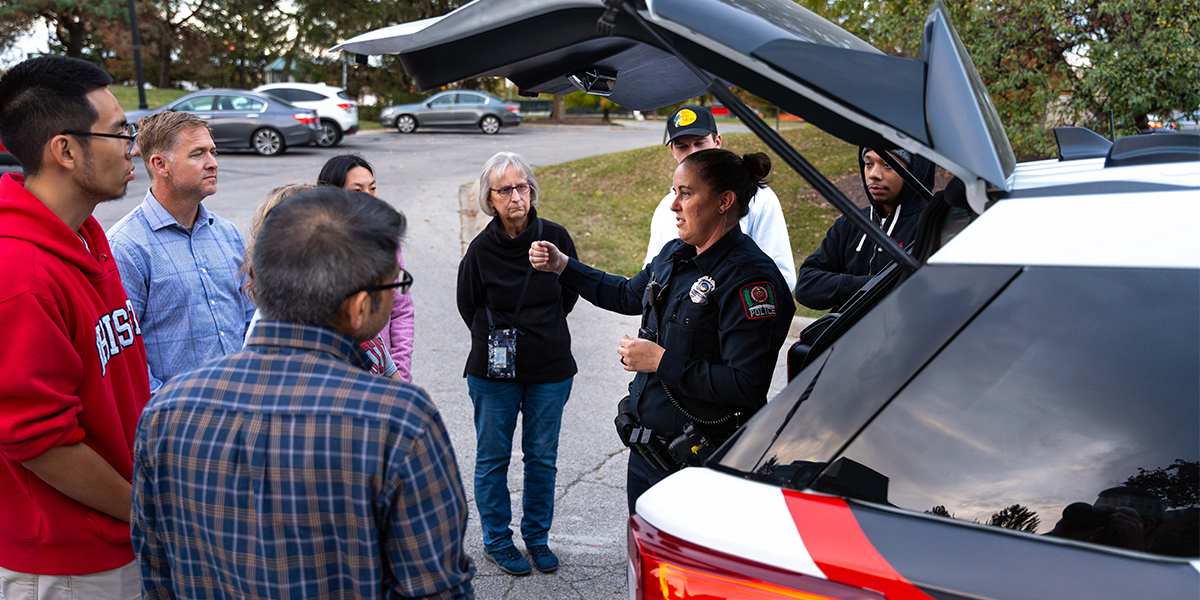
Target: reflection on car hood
773, 48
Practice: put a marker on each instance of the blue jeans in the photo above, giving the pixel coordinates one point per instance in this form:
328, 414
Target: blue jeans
496, 406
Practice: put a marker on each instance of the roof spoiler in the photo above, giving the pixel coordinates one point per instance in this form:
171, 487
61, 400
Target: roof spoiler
1078, 143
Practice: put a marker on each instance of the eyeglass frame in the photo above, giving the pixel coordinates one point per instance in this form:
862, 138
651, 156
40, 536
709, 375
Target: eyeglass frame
513, 188
401, 287
131, 132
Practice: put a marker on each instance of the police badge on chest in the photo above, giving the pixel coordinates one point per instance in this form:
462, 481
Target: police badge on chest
701, 289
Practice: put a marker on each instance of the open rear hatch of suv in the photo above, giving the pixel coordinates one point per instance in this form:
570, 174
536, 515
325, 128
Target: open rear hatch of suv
772, 48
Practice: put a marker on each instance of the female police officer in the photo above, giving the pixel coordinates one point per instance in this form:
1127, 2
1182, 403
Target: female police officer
715, 311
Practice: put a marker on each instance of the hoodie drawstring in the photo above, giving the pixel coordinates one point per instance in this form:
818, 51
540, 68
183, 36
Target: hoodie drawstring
895, 217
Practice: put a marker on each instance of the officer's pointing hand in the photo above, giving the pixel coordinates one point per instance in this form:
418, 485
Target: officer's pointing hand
640, 356
545, 256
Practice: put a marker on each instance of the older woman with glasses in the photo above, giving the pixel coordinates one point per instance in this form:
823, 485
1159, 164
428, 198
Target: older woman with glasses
520, 360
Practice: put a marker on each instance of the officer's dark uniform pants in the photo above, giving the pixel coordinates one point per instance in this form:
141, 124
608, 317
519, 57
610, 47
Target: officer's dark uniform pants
639, 477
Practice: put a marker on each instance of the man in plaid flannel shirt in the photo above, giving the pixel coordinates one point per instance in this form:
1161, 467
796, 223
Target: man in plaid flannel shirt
288, 470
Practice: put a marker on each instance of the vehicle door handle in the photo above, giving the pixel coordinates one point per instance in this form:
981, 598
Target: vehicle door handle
252, 116
204, 116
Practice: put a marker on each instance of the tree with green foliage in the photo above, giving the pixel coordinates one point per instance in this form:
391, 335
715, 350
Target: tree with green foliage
245, 36
1054, 62
71, 22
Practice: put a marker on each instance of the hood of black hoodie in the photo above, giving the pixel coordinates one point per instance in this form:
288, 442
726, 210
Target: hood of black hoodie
909, 199
24, 217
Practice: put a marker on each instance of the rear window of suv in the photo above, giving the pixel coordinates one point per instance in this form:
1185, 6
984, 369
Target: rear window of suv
1075, 393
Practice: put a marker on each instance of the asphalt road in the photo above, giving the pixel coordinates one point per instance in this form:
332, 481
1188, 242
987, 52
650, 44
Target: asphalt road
420, 174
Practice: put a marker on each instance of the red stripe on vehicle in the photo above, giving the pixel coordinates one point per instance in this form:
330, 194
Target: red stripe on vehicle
841, 549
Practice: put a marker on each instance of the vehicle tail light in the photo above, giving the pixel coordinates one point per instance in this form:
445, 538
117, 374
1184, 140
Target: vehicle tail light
346, 106
513, 108
307, 119
663, 567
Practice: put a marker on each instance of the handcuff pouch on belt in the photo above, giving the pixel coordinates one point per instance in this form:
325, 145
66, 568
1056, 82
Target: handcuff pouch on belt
502, 343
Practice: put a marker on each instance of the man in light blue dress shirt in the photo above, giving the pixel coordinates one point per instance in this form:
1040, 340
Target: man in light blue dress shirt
180, 264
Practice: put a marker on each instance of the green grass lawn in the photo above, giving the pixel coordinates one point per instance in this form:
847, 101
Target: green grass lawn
606, 201
128, 96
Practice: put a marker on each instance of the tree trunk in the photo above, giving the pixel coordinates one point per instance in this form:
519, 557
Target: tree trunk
558, 109
74, 33
165, 46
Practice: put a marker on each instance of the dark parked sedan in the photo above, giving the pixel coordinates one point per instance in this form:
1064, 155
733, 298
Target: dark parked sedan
453, 109
241, 119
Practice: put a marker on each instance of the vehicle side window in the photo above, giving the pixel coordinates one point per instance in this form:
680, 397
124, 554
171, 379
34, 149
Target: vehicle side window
446, 100
240, 103
288, 94
344, 96
1068, 407
197, 104
471, 99
305, 96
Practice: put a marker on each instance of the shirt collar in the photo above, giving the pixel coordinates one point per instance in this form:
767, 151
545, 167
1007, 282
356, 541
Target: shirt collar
309, 337
158, 217
708, 260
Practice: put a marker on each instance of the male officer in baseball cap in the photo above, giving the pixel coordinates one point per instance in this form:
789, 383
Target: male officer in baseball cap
691, 129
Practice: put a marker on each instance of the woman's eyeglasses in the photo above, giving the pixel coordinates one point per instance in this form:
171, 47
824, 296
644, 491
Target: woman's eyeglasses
506, 191
130, 134
405, 281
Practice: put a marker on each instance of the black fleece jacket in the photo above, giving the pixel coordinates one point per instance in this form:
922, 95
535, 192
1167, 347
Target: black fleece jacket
491, 274
846, 260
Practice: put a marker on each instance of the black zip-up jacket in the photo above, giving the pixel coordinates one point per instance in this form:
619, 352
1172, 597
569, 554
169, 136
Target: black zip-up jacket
721, 342
491, 274
846, 259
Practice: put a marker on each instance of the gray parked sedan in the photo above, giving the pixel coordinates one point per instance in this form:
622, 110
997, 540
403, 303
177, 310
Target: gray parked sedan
241, 119
457, 108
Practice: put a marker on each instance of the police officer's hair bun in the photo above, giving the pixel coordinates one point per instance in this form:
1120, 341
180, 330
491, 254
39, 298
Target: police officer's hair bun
758, 165
723, 170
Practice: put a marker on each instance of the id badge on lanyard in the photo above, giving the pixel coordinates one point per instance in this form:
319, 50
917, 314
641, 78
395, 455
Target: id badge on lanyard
502, 353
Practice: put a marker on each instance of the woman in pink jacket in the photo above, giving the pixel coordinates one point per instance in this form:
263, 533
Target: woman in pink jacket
353, 172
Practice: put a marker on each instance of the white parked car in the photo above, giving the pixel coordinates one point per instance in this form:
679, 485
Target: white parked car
338, 111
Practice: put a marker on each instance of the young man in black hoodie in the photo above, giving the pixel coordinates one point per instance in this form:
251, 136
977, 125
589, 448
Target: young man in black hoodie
847, 260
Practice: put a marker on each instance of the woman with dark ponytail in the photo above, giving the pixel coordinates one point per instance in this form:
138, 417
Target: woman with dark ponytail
715, 311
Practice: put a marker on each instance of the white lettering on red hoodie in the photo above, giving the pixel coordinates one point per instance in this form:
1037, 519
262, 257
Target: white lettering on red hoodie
74, 370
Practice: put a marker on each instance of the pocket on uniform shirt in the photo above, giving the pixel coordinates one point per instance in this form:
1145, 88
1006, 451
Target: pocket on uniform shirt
699, 321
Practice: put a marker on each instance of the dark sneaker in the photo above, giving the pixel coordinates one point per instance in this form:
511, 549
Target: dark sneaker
543, 558
511, 561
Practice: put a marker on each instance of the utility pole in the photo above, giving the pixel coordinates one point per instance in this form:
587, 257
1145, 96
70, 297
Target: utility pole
137, 57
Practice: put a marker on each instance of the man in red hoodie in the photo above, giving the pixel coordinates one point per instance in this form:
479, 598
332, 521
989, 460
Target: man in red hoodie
74, 368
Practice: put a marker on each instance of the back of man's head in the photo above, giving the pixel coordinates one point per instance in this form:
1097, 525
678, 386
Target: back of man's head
43, 97
159, 133
320, 246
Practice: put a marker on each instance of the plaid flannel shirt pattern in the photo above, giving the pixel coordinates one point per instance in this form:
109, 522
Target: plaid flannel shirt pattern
185, 285
287, 470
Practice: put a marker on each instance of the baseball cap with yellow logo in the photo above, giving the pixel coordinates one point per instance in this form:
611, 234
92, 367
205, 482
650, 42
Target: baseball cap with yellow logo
690, 120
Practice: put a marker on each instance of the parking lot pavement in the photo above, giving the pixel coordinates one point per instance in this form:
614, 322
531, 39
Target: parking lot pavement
420, 174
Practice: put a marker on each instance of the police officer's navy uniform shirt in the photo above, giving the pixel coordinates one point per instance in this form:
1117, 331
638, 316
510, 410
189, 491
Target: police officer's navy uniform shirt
721, 347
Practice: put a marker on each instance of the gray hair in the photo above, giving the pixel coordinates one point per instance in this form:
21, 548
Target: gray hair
317, 248
494, 168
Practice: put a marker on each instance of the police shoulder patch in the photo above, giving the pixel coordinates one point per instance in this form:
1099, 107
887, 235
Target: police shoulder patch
759, 300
